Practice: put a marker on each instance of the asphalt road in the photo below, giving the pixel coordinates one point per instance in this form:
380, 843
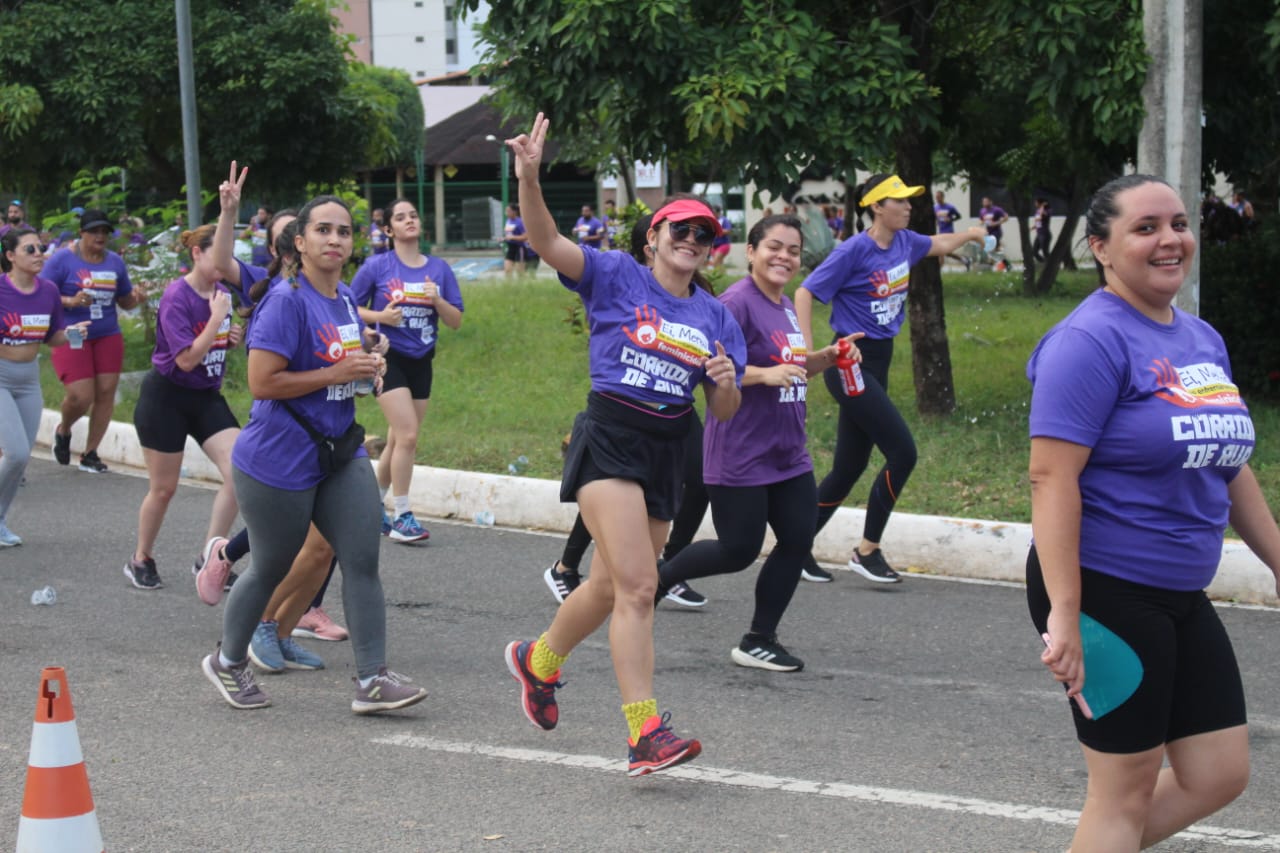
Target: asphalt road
922, 721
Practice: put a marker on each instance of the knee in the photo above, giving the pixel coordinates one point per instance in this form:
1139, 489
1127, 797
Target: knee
740, 555
18, 455
161, 494
904, 457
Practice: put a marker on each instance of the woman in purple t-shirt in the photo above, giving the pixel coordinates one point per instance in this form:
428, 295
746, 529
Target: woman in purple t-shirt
182, 396
306, 364
30, 314
1139, 459
756, 466
406, 295
865, 279
655, 337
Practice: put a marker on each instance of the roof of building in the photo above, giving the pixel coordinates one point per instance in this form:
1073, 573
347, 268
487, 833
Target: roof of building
459, 140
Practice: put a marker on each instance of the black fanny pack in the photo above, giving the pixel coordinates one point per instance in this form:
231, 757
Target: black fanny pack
333, 453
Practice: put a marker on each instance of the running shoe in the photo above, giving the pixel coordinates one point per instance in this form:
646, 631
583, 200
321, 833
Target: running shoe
296, 657
386, 522
235, 683
62, 447
765, 653
658, 748
315, 624
211, 576
561, 583
264, 648
407, 529
386, 692
8, 539
537, 697
873, 567
684, 595
91, 463
142, 573
814, 573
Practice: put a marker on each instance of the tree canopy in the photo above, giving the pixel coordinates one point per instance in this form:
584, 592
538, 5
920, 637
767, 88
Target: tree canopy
95, 83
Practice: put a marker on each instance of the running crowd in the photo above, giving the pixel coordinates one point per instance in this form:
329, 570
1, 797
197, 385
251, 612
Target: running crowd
1131, 493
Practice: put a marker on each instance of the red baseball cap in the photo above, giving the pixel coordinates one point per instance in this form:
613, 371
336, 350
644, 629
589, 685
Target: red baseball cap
684, 209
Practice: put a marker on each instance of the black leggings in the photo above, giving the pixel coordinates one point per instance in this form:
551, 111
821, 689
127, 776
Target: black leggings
866, 421
693, 506
740, 514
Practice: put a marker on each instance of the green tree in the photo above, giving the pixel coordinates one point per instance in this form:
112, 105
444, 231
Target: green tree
95, 83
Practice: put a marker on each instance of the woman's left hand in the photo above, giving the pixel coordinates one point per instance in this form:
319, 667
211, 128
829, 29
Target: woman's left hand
719, 368
235, 335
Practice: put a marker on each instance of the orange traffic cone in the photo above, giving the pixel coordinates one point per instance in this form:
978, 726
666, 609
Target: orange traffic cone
57, 808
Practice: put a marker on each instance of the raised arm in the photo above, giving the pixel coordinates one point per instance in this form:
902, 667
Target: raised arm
224, 238
559, 251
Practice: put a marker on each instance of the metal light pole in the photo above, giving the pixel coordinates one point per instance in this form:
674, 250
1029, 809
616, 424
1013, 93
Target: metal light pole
187, 90
504, 164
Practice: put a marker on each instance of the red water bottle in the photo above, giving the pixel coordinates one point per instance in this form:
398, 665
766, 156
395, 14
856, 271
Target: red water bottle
850, 370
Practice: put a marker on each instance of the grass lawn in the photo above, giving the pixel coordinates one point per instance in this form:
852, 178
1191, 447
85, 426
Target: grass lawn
509, 382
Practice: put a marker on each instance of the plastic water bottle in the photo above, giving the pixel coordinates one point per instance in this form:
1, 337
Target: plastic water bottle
44, 596
519, 466
184, 472
362, 387
850, 371
989, 243
484, 518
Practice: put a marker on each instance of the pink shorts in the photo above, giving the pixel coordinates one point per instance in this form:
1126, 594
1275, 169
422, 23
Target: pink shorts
720, 250
97, 356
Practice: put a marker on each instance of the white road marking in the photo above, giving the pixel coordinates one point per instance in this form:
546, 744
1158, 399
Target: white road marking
863, 793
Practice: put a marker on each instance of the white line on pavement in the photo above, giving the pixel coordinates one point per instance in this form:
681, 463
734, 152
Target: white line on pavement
864, 793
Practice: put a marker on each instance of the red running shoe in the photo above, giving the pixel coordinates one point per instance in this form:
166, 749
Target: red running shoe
658, 748
537, 697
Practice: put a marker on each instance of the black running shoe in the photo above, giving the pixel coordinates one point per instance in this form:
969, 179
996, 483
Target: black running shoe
873, 567
685, 595
62, 448
142, 573
91, 463
561, 583
765, 653
814, 573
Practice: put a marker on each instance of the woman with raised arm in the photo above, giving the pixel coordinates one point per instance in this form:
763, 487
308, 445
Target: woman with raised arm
1140, 446
865, 280
655, 337
182, 396
406, 295
299, 460
31, 314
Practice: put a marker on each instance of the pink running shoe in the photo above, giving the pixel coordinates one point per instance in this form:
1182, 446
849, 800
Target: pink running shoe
214, 568
315, 624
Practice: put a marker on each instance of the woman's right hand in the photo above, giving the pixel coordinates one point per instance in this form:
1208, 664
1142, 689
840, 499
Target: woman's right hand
356, 364
527, 149
1063, 650
229, 190
219, 307
783, 375
392, 315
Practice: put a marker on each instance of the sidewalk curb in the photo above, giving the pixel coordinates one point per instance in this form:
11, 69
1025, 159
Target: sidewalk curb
954, 547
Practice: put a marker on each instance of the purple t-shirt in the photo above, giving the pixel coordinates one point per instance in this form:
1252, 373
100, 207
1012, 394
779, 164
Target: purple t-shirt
645, 343
764, 442
313, 332
182, 316
866, 285
385, 279
29, 318
1167, 430
947, 215
514, 228
585, 228
107, 281
991, 214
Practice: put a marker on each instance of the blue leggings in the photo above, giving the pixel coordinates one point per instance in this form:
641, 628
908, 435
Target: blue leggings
344, 506
866, 421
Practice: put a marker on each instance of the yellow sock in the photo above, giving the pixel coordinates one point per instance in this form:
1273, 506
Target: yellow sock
638, 713
544, 662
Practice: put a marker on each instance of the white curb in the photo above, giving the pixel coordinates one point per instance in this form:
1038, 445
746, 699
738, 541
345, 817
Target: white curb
956, 547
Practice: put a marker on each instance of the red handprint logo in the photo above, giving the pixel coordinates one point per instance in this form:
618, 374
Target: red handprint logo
880, 283
333, 351
395, 291
647, 324
86, 278
198, 327
784, 356
13, 323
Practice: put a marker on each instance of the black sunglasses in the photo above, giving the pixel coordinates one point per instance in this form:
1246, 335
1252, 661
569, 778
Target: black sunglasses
702, 234
31, 249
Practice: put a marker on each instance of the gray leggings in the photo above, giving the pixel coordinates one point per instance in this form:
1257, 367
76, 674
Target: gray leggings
20, 404
344, 507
